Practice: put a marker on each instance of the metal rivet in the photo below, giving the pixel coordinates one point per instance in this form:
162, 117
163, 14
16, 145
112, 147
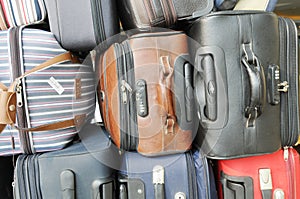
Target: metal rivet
140, 191
179, 195
12, 107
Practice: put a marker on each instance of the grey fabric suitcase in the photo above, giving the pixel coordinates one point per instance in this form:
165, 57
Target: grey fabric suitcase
236, 83
83, 170
81, 25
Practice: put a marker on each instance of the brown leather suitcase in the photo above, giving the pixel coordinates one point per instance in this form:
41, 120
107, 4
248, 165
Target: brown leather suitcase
146, 95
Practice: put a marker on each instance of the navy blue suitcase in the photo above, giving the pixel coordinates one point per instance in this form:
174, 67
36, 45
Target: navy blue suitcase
178, 176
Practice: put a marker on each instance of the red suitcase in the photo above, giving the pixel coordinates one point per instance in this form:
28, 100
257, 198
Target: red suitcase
271, 176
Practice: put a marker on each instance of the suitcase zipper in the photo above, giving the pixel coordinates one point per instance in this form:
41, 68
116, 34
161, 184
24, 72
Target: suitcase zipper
290, 166
124, 89
14, 34
21, 178
126, 99
191, 176
132, 115
289, 94
122, 96
98, 21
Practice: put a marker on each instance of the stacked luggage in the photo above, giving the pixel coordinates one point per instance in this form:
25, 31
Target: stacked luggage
198, 99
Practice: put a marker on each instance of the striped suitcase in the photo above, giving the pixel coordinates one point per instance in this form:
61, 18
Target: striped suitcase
21, 12
49, 96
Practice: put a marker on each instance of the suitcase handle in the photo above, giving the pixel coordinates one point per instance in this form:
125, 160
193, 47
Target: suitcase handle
166, 77
257, 82
208, 74
67, 184
10, 104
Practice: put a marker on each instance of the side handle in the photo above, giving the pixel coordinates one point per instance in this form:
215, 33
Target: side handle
238, 187
257, 82
208, 98
189, 96
103, 189
67, 184
257, 89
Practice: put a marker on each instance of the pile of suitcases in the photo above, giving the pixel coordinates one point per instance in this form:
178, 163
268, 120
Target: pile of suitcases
197, 99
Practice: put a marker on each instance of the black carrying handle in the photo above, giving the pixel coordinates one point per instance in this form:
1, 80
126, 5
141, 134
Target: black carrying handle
208, 73
238, 187
189, 96
257, 84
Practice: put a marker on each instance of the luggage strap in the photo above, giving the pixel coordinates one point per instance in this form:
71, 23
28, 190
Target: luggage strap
8, 100
166, 77
265, 180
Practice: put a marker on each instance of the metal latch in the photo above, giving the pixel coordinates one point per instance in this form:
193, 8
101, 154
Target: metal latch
278, 194
265, 179
158, 175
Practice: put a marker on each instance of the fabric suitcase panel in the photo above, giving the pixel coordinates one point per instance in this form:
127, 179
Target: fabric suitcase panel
97, 21
230, 91
154, 118
178, 177
23, 12
164, 13
83, 170
39, 94
276, 174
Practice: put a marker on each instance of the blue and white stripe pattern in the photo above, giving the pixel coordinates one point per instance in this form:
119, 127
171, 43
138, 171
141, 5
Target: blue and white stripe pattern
22, 12
44, 104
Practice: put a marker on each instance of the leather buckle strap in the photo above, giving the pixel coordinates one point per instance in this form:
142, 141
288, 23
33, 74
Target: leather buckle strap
8, 100
166, 83
169, 126
7, 107
76, 122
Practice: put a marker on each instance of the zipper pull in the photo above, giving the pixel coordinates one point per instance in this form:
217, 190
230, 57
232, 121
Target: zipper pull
19, 94
285, 153
125, 86
93, 54
283, 87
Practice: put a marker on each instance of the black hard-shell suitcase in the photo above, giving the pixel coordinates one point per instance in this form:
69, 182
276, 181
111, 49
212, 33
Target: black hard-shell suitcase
180, 176
83, 170
289, 78
236, 83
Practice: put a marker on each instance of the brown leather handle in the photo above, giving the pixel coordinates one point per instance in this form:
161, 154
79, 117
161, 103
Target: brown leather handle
3, 87
166, 78
77, 121
3, 25
68, 56
8, 101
